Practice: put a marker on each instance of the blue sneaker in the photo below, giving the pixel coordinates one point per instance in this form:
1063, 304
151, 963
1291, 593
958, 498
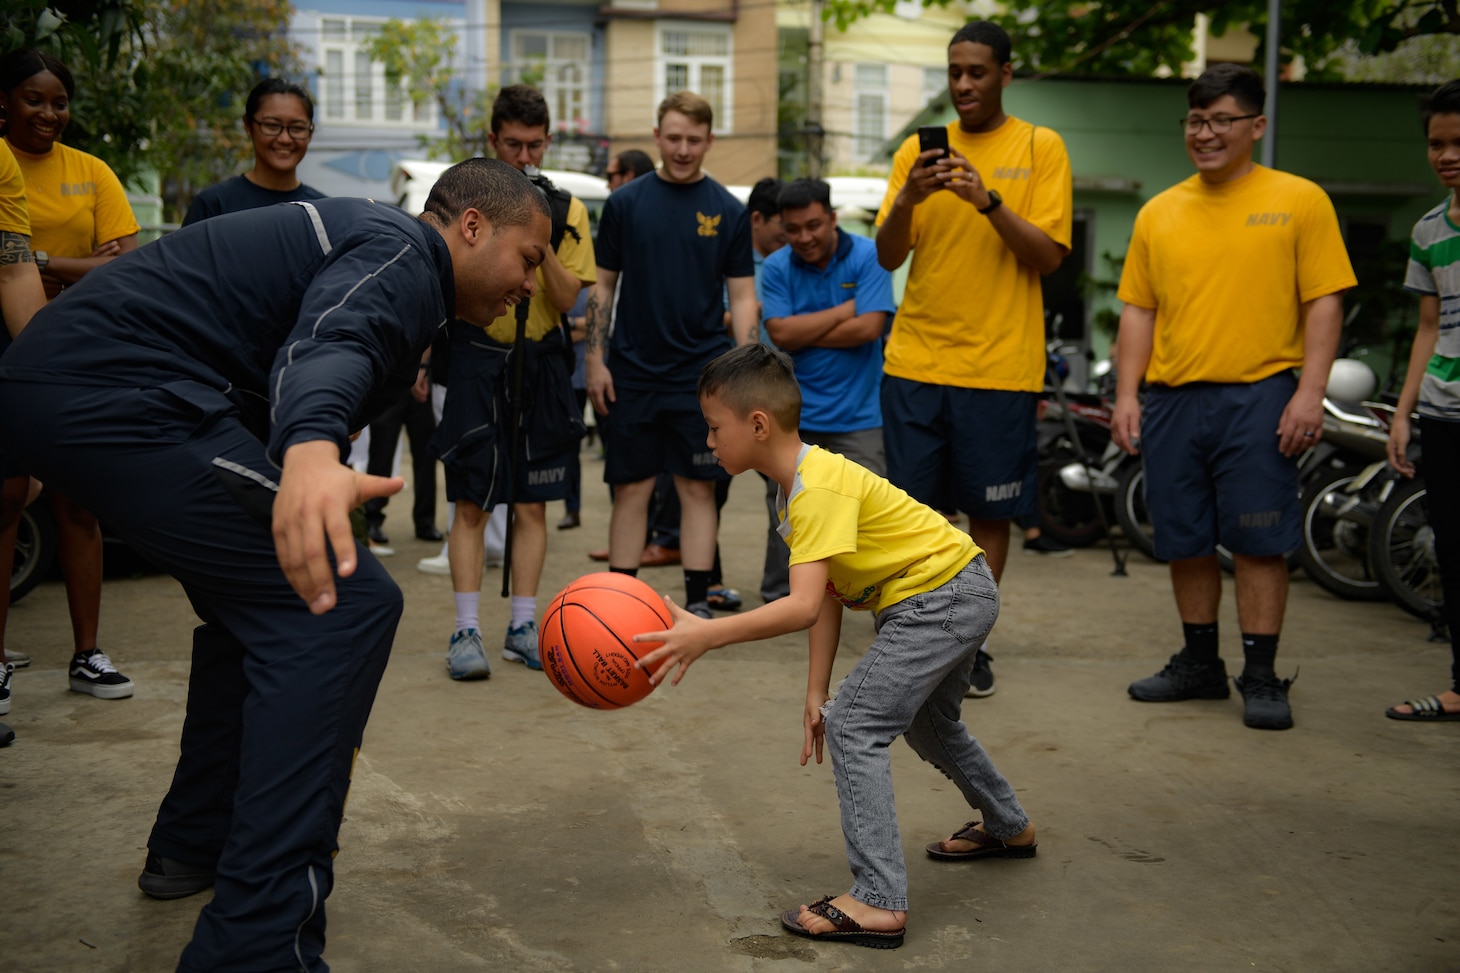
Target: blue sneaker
521, 645
466, 659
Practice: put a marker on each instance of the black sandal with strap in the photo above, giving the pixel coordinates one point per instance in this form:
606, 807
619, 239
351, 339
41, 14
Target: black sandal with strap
985, 845
847, 930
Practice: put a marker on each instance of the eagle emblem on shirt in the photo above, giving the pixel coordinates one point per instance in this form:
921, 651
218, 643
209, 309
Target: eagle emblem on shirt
709, 225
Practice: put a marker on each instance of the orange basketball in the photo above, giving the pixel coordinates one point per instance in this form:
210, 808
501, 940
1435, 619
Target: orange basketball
587, 639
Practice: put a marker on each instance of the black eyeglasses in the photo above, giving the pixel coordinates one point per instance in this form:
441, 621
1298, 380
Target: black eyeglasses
272, 127
1219, 124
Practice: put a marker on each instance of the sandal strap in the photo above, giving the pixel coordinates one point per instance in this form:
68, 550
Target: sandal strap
969, 832
1430, 704
835, 916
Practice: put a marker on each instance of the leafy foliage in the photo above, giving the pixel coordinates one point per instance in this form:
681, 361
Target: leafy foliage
1137, 37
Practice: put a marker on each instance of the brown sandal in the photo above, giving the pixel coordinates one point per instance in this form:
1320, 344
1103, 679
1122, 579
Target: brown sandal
847, 930
985, 846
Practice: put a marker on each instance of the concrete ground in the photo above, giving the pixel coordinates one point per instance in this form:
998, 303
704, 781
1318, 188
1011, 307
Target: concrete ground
496, 826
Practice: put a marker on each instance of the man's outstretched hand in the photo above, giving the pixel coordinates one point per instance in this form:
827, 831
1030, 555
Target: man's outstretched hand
312, 510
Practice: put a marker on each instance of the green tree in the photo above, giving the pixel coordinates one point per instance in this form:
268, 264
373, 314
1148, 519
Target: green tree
420, 57
1137, 37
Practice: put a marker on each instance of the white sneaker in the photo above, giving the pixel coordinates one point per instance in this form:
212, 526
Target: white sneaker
440, 564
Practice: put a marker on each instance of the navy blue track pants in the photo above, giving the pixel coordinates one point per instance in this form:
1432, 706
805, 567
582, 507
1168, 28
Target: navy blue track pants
277, 698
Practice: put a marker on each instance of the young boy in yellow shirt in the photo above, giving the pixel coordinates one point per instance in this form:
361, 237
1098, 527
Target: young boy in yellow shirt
857, 541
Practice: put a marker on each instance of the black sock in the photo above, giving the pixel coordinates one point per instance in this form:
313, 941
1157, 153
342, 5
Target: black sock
1201, 642
696, 586
631, 572
1258, 652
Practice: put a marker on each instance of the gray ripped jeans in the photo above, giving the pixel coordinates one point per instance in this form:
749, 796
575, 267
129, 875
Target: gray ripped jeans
911, 682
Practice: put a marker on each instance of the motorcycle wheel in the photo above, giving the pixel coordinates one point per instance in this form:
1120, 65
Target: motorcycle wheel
1402, 549
1130, 510
35, 550
1065, 515
1335, 551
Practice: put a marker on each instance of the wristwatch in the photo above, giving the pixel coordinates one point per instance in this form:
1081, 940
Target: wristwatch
42, 260
995, 201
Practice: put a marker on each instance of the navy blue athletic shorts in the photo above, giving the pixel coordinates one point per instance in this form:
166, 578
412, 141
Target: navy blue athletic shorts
973, 448
648, 433
1213, 470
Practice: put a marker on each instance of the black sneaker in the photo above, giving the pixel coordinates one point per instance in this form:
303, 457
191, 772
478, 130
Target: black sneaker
1183, 679
92, 672
982, 683
1265, 701
1045, 546
7, 735
164, 878
5, 673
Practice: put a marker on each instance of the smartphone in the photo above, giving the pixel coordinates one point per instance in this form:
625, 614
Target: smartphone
933, 137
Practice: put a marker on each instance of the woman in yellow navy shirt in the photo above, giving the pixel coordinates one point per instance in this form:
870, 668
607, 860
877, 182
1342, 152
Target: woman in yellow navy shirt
80, 219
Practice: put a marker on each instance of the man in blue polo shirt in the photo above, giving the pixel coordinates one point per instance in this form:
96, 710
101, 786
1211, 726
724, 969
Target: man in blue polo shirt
825, 301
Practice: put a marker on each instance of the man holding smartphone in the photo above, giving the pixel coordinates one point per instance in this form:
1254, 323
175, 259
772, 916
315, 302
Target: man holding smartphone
987, 212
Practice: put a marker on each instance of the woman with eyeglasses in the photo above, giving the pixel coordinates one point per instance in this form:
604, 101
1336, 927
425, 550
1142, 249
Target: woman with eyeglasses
80, 220
279, 118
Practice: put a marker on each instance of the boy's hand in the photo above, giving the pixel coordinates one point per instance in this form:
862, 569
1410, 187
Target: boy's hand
815, 727
683, 644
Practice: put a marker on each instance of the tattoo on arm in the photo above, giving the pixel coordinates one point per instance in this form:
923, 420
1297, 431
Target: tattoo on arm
15, 248
595, 323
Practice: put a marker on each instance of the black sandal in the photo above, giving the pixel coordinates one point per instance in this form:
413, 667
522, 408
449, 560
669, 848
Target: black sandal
985, 845
847, 930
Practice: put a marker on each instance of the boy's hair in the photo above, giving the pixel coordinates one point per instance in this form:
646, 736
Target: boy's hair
763, 197
1444, 100
496, 190
804, 192
636, 162
690, 105
755, 376
990, 35
1237, 80
521, 103
276, 86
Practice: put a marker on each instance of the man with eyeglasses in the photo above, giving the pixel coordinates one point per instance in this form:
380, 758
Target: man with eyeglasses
1234, 279
279, 119
627, 165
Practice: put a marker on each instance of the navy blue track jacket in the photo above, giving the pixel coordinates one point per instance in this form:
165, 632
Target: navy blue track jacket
311, 318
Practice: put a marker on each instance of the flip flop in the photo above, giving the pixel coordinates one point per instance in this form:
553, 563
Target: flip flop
985, 846
847, 930
1427, 710
723, 599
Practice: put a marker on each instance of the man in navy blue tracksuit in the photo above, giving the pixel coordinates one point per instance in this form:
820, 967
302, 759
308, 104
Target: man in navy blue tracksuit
198, 395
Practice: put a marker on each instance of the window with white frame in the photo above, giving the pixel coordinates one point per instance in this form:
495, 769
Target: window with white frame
696, 57
353, 88
558, 64
935, 82
869, 105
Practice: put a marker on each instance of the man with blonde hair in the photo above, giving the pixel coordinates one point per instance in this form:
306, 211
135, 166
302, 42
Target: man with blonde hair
667, 244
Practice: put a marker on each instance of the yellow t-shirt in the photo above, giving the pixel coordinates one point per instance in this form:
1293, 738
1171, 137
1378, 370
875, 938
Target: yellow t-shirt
881, 546
577, 257
1226, 267
76, 202
972, 315
14, 216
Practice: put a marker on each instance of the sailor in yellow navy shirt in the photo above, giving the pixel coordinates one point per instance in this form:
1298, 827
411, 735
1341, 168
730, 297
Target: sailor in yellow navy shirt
79, 214
80, 220
859, 542
474, 438
1234, 278
965, 362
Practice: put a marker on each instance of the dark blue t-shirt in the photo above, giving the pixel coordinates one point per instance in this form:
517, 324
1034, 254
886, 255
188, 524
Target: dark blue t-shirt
238, 194
673, 245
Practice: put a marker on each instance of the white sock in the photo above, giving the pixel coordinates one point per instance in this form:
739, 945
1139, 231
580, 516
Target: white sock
524, 609
468, 603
